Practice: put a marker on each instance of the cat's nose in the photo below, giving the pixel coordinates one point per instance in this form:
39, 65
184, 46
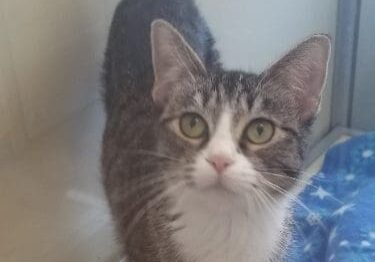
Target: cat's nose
220, 162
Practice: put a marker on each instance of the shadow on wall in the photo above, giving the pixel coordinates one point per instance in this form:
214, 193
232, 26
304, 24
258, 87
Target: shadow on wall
52, 53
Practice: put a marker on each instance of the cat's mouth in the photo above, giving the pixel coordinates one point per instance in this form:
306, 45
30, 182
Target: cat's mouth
224, 184
221, 184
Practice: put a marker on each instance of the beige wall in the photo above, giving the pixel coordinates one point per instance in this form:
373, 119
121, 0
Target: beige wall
252, 34
50, 57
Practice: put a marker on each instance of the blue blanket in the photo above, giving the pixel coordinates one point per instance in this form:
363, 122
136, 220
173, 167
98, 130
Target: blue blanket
338, 224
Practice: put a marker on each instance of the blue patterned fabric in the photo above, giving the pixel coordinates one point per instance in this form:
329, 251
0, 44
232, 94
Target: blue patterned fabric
340, 223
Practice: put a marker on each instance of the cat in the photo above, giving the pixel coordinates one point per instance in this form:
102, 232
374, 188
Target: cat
199, 163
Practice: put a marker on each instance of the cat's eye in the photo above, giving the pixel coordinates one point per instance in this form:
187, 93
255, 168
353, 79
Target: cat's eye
260, 131
193, 126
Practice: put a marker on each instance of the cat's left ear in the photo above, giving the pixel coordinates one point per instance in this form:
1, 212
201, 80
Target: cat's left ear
300, 76
173, 60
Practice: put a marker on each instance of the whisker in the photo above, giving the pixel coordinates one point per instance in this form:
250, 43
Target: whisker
302, 181
149, 205
269, 202
307, 182
254, 195
145, 182
290, 197
283, 192
311, 175
154, 192
152, 153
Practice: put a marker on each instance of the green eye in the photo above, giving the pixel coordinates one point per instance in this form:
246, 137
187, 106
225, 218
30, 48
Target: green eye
260, 131
193, 126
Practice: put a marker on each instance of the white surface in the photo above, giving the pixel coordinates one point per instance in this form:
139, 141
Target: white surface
51, 202
252, 34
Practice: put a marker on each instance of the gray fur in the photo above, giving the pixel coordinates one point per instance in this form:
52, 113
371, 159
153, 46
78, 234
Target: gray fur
140, 152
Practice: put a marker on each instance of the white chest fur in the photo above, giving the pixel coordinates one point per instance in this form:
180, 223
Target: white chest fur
219, 228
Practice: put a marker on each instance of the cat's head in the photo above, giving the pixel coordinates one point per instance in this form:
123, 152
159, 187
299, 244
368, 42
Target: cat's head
234, 131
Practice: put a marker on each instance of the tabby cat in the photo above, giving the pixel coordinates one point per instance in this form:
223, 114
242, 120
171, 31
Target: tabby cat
199, 163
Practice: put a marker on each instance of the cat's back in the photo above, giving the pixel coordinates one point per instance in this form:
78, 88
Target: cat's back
128, 64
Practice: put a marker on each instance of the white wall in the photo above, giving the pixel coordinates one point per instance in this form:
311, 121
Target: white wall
50, 57
252, 34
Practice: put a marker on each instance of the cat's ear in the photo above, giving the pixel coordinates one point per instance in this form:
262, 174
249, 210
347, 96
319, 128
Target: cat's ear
300, 76
173, 60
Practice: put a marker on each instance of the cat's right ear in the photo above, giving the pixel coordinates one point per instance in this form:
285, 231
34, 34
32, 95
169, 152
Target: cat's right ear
173, 60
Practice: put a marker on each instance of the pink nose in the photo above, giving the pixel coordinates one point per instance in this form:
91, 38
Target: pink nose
220, 162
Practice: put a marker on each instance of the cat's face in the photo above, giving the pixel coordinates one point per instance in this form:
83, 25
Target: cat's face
230, 131
229, 139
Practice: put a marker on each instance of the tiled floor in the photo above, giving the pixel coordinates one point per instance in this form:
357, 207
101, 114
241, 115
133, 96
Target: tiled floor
52, 207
